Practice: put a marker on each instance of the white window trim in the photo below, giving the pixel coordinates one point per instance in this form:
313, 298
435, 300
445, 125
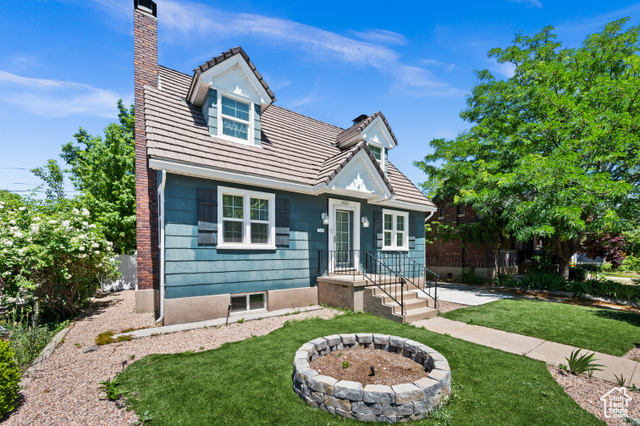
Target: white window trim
382, 163
394, 231
246, 236
250, 130
247, 304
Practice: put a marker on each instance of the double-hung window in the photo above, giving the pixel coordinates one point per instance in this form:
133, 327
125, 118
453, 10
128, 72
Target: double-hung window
247, 218
395, 230
236, 118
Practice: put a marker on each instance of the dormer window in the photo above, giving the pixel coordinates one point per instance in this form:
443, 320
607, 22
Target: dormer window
236, 118
378, 153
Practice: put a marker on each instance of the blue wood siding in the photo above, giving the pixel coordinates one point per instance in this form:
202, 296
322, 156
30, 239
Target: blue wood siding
210, 111
197, 271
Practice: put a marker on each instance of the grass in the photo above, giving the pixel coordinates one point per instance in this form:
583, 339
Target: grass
604, 330
622, 274
249, 382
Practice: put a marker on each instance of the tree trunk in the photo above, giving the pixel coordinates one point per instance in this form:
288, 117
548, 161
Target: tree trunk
564, 250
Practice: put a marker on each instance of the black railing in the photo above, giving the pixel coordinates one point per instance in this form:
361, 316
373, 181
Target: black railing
418, 275
339, 262
383, 277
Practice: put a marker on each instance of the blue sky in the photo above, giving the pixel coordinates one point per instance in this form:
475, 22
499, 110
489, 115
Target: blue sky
64, 64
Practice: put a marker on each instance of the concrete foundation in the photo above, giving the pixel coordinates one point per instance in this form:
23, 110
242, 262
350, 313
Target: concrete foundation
292, 298
147, 301
342, 292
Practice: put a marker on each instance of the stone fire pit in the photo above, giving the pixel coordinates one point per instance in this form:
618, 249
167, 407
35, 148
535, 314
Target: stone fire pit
406, 401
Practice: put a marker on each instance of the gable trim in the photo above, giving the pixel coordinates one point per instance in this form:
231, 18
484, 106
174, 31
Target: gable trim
363, 155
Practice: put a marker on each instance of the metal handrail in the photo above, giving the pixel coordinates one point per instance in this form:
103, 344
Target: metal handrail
383, 277
413, 277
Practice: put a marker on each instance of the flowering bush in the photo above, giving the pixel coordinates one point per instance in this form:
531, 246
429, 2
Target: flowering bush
50, 254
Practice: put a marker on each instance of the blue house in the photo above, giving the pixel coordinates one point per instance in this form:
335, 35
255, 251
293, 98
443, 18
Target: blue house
245, 205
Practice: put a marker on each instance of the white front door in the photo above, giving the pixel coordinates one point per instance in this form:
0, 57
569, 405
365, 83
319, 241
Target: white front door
344, 235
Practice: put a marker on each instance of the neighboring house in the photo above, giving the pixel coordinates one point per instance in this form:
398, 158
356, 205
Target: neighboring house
240, 202
451, 258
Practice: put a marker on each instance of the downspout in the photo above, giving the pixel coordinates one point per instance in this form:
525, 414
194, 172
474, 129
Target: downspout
161, 226
429, 217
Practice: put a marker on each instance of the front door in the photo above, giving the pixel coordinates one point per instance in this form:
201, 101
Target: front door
344, 235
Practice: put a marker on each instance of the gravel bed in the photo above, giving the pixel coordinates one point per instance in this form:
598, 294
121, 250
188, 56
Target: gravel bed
444, 306
586, 391
66, 390
633, 354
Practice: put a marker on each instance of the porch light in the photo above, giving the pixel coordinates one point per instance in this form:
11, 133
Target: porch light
365, 222
325, 218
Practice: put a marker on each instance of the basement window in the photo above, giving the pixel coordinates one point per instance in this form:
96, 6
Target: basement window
248, 302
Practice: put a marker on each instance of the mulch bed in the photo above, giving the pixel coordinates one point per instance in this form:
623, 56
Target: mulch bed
390, 368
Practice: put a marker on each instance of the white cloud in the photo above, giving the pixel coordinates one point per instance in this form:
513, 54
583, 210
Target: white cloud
381, 36
505, 69
420, 82
180, 20
530, 3
446, 66
57, 98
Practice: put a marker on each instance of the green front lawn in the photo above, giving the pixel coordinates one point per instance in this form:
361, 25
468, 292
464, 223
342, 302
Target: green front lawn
603, 330
249, 382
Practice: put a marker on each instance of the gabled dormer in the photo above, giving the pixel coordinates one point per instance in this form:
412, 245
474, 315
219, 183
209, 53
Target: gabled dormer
375, 131
232, 96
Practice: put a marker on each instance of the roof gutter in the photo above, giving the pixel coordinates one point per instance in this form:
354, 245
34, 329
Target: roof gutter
161, 186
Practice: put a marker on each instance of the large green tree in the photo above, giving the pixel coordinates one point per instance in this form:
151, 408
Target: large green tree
554, 150
103, 171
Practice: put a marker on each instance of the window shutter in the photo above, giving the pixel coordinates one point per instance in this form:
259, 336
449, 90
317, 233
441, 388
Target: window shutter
257, 128
378, 231
207, 217
210, 111
412, 232
282, 222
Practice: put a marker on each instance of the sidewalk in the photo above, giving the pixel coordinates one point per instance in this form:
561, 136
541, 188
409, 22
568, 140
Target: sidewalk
532, 347
467, 294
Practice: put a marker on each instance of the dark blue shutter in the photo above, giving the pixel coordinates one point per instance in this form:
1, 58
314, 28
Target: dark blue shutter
412, 232
207, 217
378, 231
282, 222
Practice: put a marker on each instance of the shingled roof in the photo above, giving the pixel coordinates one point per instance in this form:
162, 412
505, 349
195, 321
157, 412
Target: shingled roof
228, 54
295, 148
361, 125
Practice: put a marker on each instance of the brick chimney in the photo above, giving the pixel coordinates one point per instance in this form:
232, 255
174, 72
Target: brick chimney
145, 39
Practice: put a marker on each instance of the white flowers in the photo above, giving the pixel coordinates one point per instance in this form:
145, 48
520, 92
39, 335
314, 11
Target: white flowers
85, 212
22, 208
7, 242
95, 245
53, 221
75, 211
12, 222
92, 226
66, 223
81, 248
36, 219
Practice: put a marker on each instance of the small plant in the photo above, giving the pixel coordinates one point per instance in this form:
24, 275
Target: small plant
634, 388
110, 387
563, 366
124, 338
345, 364
201, 348
240, 321
77, 345
105, 338
10, 383
579, 364
339, 354
620, 380
132, 357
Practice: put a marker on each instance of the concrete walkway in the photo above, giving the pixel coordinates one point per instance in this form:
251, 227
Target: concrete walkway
467, 294
244, 316
532, 347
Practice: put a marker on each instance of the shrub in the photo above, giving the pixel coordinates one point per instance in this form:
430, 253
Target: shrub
9, 379
505, 280
27, 338
543, 281
468, 276
50, 255
579, 364
606, 267
631, 263
578, 273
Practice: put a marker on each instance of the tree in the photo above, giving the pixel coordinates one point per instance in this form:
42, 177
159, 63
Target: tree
53, 176
103, 171
553, 150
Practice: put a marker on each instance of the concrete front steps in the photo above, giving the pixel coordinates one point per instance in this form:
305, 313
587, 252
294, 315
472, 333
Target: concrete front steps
380, 304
